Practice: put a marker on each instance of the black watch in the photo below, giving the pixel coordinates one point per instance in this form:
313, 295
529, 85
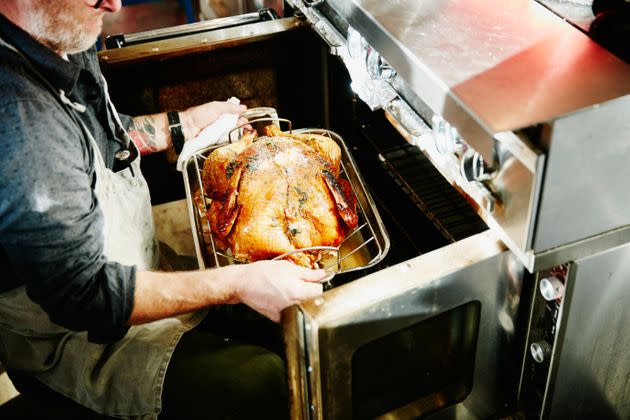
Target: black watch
177, 135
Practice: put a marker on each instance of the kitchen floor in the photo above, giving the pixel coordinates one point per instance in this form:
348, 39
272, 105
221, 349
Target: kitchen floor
135, 16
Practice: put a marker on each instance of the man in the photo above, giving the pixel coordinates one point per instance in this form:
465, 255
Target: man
81, 309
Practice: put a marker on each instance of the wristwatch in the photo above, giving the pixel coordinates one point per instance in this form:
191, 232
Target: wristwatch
175, 126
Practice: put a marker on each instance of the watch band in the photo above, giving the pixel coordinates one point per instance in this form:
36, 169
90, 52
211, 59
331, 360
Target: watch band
175, 126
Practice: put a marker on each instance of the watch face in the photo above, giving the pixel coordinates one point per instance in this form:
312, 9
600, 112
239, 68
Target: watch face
173, 118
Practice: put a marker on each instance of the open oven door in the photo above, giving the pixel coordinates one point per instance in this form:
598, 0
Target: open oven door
432, 336
123, 40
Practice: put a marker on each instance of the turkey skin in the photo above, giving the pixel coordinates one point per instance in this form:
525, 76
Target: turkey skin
278, 193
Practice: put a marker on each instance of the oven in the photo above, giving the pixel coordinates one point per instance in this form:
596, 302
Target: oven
492, 140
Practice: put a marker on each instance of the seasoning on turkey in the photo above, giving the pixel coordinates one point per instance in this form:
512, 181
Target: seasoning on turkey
278, 193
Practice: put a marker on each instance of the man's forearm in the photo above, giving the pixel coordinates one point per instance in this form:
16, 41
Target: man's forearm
150, 133
265, 286
159, 295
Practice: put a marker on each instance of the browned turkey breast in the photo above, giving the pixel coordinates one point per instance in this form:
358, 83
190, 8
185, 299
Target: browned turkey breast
278, 193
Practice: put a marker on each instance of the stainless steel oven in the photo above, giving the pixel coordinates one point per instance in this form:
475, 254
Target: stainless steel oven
493, 138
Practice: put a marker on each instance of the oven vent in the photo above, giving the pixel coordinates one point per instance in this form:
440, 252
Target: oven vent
438, 200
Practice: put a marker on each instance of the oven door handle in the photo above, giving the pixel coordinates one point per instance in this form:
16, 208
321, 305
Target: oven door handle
123, 40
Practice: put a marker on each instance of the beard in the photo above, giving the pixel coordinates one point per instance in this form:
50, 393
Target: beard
55, 26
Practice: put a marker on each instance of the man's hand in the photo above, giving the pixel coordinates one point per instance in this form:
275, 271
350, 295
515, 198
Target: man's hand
198, 117
270, 286
266, 286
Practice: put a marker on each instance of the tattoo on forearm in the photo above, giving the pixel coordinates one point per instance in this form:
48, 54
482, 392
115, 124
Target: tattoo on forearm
142, 132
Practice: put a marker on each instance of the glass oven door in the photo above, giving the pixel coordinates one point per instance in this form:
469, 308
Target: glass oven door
431, 336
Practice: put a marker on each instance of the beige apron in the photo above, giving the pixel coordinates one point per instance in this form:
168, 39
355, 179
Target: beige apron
126, 205
122, 379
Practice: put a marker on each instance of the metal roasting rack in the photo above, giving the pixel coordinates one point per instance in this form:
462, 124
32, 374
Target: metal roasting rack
362, 248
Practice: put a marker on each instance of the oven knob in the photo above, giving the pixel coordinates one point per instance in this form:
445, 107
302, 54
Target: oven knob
357, 47
540, 350
445, 136
312, 3
472, 167
378, 68
551, 288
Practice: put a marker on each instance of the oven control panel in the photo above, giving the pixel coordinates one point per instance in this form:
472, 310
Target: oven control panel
545, 320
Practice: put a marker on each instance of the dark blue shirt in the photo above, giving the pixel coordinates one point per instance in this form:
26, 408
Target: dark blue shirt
50, 223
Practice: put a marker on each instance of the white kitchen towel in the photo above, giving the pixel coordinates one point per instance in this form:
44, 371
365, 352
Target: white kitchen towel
214, 133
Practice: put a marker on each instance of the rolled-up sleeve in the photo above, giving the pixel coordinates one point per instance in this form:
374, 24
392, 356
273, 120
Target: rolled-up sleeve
51, 227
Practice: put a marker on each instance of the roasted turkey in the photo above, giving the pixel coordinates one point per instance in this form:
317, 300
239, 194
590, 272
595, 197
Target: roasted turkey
277, 193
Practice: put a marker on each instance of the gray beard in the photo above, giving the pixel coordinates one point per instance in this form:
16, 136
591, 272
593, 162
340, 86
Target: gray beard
53, 26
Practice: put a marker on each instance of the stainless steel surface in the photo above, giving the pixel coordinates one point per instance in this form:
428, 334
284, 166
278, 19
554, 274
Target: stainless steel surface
211, 9
364, 247
591, 362
488, 66
478, 268
199, 42
588, 158
293, 327
581, 249
202, 26
578, 12
327, 31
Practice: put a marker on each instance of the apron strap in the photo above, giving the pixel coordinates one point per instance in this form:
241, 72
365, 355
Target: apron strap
112, 109
71, 106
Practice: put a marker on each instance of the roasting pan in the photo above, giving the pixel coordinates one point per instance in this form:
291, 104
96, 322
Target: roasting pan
363, 247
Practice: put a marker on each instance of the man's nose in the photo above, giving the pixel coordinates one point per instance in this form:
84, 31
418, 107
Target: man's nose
111, 5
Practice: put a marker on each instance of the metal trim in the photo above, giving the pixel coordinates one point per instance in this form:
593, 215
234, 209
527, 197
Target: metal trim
295, 352
199, 42
202, 26
581, 249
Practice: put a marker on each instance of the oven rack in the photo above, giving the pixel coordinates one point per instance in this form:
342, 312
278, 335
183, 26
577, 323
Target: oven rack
363, 247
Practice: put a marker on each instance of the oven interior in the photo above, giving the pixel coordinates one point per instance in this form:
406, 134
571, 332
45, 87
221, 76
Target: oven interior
293, 72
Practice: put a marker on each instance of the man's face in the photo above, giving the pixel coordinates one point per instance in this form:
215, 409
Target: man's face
68, 26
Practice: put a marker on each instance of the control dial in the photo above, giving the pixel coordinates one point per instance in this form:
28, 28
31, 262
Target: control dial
472, 167
551, 288
357, 47
540, 350
446, 137
377, 67
312, 3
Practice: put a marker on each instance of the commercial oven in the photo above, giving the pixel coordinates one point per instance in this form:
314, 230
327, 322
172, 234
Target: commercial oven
493, 139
